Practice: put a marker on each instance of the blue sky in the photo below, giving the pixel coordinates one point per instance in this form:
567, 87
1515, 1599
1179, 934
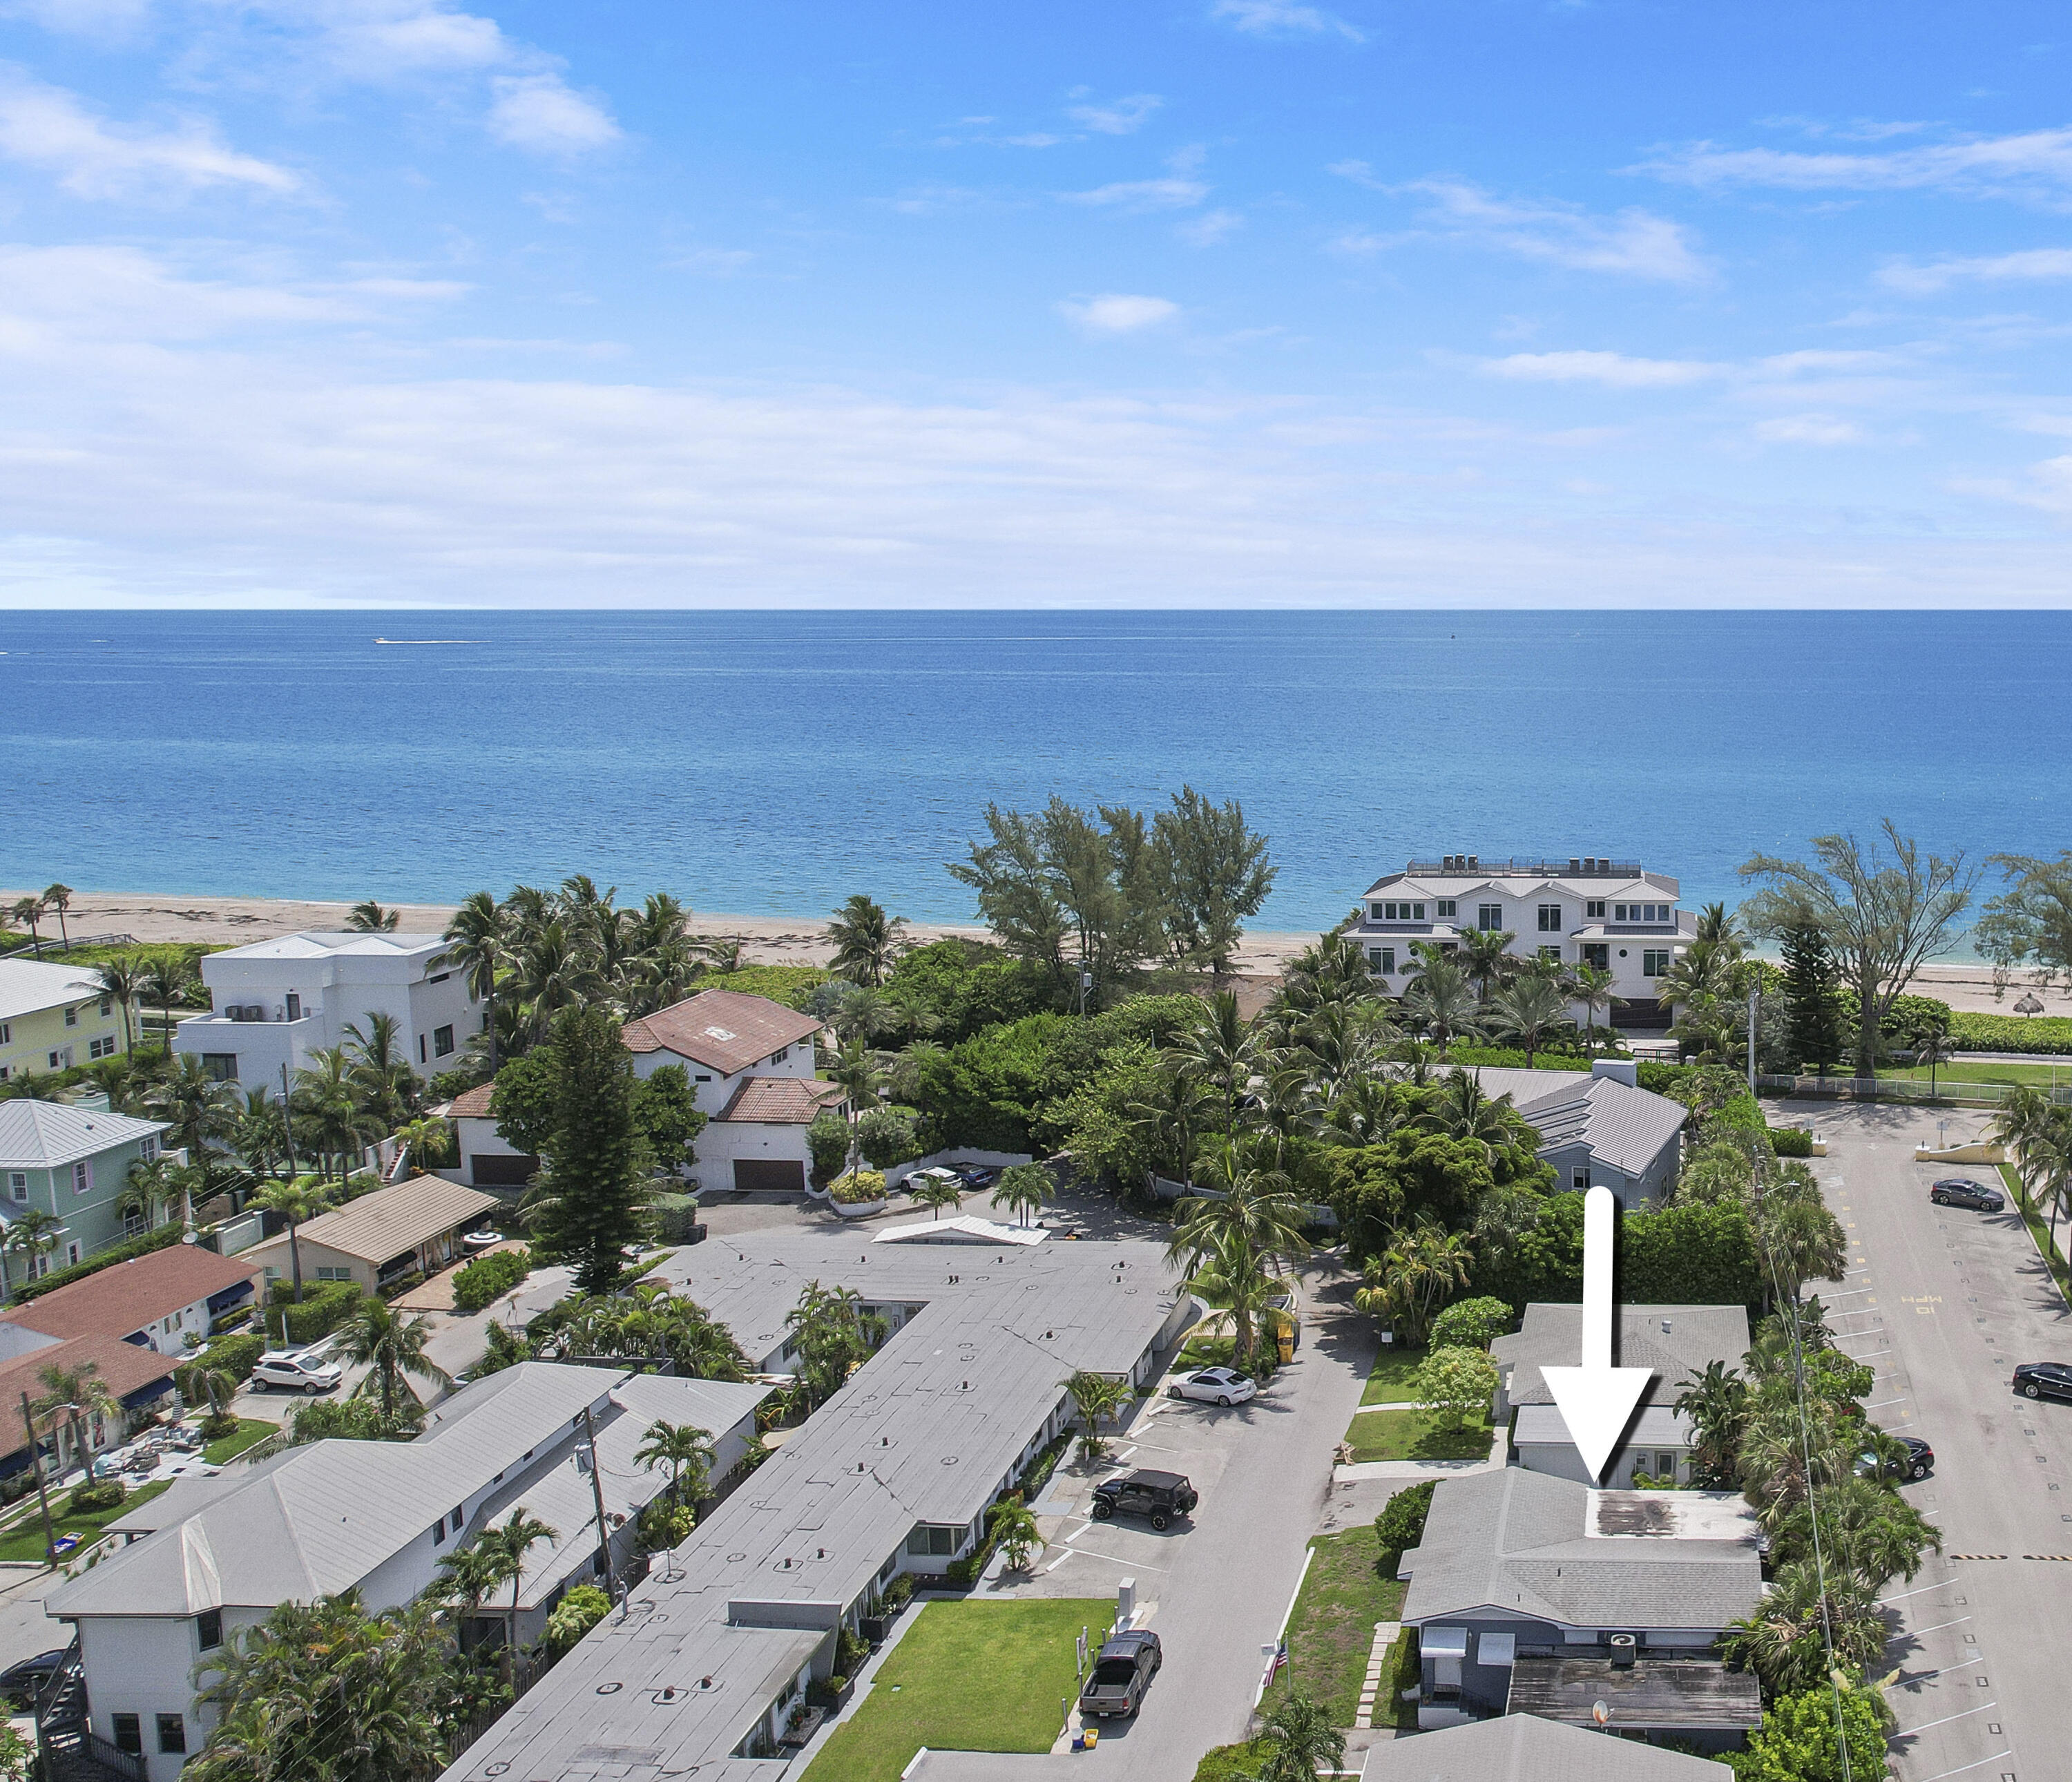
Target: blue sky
1218, 302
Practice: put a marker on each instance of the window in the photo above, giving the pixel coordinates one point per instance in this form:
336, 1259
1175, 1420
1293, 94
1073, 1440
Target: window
1655, 962
1376, 909
220, 1065
780, 1055
439, 1532
101, 1048
295, 1006
1550, 918
1580, 1178
1402, 912
61, 1060
6, 1034
208, 1629
71, 1018
173, 1734
441, 1041
128, 1733
421, 1049
1552, 955
1488, 917
1595, 953
1641, 913
1665, 1466
457, 1518
1594, 911
71, 1256
82, 1176
108, 1005
706, 1078
18, 1184
1381, 959
148, 1148
1447, 908
438, 977
331, 1273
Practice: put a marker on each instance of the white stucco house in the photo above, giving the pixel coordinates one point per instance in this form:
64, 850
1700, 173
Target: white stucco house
277, 1002
1586, 910
214, 1555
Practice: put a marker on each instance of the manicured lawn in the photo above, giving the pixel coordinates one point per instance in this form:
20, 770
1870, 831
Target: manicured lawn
1234, 1762
25, 1544
250, 1432
1965, 1071
1331, 1630
974, 1677
1204, 1351
1391, 1381
1415, 1435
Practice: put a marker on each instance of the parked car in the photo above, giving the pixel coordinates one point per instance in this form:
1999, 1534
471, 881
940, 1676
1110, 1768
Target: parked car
1159, 1496
1957, 1191
22, 1685
2044, 1380
980, 1175
1920, 1458
295, 1370
1217, 1385
1121, 1674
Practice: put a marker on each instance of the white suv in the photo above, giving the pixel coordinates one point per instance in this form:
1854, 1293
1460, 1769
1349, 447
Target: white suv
295, 1370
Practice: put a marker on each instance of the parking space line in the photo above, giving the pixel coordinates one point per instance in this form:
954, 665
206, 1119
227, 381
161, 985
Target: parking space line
1939, 1626
1962, 1767
1130, 1564
1922, 1590
1969, 1663
1908, 1732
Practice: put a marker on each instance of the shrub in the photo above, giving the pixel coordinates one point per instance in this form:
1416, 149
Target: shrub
1791, 1141
573, 1616
2041, 1034
1470, 1323
1400, 1526
1458, 1383
666, 1524
324, 1308
215, 1428
859, 1189
357, 1419
489, 1277
103, 1494
827, 1139
1674, 1081
234, 1356
886, 1136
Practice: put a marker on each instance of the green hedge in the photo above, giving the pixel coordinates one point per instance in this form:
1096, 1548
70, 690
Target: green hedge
2048, 1035
324, 1307
1791, 1141
488, 1278
1669, 1079
129, 1248
1681, 1256
235, 1355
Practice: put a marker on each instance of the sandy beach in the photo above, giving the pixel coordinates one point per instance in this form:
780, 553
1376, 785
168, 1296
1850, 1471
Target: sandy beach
765, 940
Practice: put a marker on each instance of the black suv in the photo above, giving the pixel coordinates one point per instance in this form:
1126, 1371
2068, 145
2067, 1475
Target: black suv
1955, 1192
1158, 1495
2044, 1380
1121, 1674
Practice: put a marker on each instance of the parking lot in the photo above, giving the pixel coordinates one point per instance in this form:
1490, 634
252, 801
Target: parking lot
1943, 1303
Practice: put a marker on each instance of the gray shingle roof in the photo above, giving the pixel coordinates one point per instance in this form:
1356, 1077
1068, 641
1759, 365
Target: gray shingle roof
1520, 1747
1531, 1546
1552, 1335
1625, 1127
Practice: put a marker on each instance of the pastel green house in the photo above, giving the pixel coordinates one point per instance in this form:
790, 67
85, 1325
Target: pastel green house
73, 1164
53, 1018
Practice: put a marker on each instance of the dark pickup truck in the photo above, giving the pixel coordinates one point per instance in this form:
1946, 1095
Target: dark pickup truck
1122, 1673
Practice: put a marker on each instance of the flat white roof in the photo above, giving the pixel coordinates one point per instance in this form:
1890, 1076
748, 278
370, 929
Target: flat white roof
312, 944
964, 1228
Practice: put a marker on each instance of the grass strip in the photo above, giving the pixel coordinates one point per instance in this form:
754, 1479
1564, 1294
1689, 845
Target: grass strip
24, 1545
1330, 1633
1392, 1380
1416, 1435
249, 1432
2039, 1230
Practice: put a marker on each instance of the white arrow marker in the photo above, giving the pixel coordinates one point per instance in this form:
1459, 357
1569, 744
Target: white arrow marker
1597, 1400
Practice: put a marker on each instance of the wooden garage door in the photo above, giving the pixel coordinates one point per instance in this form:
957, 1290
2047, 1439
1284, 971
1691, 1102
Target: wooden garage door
767, 1173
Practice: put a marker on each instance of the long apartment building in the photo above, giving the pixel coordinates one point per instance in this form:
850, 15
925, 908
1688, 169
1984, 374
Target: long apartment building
1587, 909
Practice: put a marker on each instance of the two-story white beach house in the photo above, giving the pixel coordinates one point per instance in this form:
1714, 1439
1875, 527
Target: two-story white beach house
277, 1002
1584, 911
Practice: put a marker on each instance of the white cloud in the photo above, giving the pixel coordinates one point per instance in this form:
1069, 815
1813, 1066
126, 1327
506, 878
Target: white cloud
1119, 313
1283, 18
1633, 242
1118, 118
47, 127
1206, 231
1929, 277
1809, 429
1140, 195
92, 18
2036, 164
542, 112
415, 42
1616, 370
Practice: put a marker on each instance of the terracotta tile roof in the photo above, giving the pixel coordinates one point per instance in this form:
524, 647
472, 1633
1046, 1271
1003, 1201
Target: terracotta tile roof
123, 1368
126, 1296
472, 1104
780, 1101
723, 1029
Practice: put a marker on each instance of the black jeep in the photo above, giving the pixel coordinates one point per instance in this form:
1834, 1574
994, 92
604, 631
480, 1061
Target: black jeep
1158, 1495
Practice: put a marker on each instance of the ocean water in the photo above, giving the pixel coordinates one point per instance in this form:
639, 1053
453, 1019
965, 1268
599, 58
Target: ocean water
771, 764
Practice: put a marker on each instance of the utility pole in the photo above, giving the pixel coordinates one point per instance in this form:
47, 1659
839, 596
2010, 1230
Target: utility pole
287, 1121
1755, 994
43, 1496
596, 1494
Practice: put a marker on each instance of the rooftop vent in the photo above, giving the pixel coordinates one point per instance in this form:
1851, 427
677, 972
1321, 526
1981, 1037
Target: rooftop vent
1623, 1645
1474, 862
1665, 1327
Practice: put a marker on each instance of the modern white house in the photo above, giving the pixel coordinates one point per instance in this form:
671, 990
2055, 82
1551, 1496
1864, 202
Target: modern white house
277, 1002
750, 1062
1674, 1343
54, 1017
215, 1555
1586, 910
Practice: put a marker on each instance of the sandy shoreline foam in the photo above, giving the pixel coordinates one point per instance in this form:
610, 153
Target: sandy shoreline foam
765, 940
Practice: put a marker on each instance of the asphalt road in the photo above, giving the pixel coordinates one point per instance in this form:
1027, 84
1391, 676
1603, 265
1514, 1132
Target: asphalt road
1943, 1303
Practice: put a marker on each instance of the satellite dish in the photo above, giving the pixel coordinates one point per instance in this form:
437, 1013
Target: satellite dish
1600, 1711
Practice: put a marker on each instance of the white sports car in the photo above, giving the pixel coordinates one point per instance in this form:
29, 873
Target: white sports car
1218, 1385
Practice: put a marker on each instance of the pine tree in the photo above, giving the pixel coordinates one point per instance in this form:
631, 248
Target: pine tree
590, 1206
1811, 980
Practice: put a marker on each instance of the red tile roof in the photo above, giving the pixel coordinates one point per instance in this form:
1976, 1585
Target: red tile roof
724, 1029
122, 1367
472, 1104
781, 1100
126, 1296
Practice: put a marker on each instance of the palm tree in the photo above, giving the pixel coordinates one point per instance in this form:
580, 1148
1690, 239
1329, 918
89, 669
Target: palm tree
261, 1136
510, 1544
937, 1192
33, 1233
74, 1394
199, 1108
326, 1109
148, 1189
294, 1202
29, 911
1301, 1742
426, 1140
685, 1449
1239, 1292
123, 978
1441, 1001
1252, 1227
389, 1347
861, 1073
553, 973
1786, 1640
1419, 1271
1463, 1109
1171, 1117
1716, 1402
867, 942
1485, 958
58, 898
368, 917
468, 1575
476, 943
1099, 1398
1220, 1052
387, 1085
1013, 1526
1528, 1009
1023, 1189
1933, 1049
168, 971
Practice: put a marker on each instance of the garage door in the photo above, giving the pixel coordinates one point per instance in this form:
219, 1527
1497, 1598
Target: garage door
767, 1173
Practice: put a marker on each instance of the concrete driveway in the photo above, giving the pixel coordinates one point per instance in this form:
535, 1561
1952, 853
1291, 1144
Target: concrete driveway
1942, 1303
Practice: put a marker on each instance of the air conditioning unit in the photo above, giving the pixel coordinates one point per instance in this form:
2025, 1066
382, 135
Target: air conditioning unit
1624, 1645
